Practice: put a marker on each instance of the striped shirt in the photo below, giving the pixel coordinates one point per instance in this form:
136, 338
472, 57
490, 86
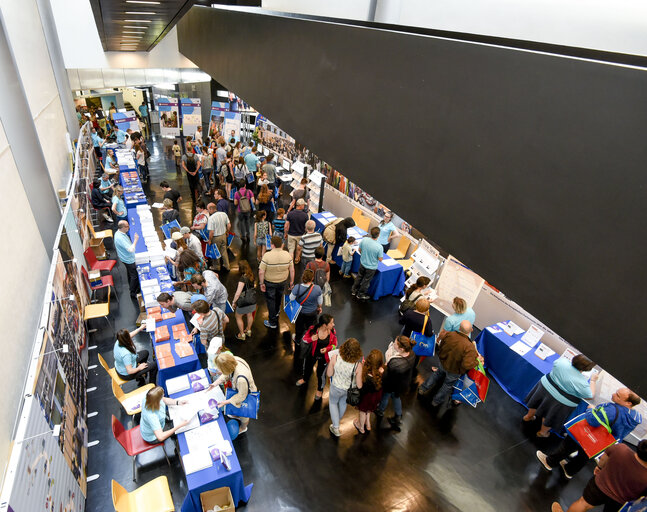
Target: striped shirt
309, 242
279, 226
211, 325
276, 265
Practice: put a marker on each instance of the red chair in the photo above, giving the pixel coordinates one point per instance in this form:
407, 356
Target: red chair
95, 264
133, 443
106, 282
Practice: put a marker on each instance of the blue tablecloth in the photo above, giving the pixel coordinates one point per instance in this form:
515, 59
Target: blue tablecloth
133, 191
387, 281
516, 374
216, 476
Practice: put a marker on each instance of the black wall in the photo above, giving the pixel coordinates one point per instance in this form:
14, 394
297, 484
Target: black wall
529, 168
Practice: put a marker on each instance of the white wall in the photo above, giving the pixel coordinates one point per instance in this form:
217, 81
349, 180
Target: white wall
21, 300
619, 26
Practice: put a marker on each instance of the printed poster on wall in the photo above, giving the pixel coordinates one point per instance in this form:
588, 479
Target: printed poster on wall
191, 115
169, 117
126, 120
231, 127
217, 118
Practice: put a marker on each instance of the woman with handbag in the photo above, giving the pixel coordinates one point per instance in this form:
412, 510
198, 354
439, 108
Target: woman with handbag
318, 341
236, 371
244, 302
369, 382
343, 369
309, 296
417, 319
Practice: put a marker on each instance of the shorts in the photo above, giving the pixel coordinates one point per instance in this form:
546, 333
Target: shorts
594, 496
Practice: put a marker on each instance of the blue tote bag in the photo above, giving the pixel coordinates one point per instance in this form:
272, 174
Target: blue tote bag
249, 407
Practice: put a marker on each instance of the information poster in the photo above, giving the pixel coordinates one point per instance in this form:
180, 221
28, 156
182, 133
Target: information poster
231, 127
169, 117
217, 121
456, 280
191, 115
126, 120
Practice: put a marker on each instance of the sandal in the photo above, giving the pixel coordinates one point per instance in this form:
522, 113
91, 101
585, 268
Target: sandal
240, 337
357, 427
531, 419
248, 332
539, 434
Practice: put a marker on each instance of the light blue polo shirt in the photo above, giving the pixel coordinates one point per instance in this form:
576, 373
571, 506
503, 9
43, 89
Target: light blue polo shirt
143, 110
251, 160
371, 251
122, 244
453, 322
123, 358
568, 378
96, 140
121, 136
385, 231
152, 421
121, 207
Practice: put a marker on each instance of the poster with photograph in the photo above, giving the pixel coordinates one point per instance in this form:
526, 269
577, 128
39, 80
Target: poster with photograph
191, 115
231, 127
126, 120
217, 118
169, 117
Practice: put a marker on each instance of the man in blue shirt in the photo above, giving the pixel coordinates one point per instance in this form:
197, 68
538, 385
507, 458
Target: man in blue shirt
387, 231
622, 420
121, 135
126, 252
371, 253
251, 161
97, 142
248, 149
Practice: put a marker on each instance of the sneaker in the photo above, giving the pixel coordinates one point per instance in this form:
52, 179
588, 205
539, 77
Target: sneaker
242, 431
107, 217
353, 293
563, 465
346, 276
363, 296
340, 273
267, 324
543, 459
334, 430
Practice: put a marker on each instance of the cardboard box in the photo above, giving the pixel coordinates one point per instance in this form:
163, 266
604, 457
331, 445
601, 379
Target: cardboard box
218, 497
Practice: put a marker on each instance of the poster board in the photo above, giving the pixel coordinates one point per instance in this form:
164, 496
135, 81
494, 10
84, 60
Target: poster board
456, 280
191, 115
169, 117
231, 127
217, 118
126, 120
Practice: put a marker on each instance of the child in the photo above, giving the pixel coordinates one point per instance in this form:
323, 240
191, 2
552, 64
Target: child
279, 223
347, 257
262, 228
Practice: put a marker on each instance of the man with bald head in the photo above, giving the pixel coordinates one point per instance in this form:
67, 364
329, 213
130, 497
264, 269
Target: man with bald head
126, 252
457, 356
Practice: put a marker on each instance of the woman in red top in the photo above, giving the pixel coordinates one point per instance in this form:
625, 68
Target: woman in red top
321, 338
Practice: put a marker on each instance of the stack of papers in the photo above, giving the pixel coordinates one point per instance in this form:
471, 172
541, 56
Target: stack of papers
196, 461
543, 352
520, 348
390, 262
177, 384
183, 349
510, 328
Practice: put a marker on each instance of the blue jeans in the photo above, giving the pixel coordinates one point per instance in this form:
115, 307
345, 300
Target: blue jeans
345, 267
274, 297
397, 403
445, 392
337, 404
244, 224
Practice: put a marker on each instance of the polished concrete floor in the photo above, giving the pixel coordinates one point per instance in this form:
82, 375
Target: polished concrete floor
464, 459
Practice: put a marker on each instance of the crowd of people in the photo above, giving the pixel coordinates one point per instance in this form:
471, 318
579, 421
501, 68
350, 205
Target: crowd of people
233, 192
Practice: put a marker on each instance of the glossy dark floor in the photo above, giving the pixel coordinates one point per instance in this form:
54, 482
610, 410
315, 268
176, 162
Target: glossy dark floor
463, 459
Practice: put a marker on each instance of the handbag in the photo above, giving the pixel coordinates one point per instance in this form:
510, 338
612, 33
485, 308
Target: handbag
247, 298
249, 407
212, 252
593, 440
425, 345
352, 395
472, 387
292, 308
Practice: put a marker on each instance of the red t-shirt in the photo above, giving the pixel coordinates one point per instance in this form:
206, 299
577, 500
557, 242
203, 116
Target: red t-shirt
623, 478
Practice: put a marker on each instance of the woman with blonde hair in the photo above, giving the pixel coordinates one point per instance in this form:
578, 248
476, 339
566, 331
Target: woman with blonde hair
118, 205
169, 214
245, 291
417, 319
342, 369
153, 418
461, 312
236, 371
369, 382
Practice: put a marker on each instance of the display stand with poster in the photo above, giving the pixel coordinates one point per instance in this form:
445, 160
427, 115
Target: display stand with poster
191, 115
169, 116
126, 120
456, 280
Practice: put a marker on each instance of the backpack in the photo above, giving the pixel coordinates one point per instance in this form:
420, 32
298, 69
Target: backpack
244, 203
409, 303
320, 275
329, 231
224, 170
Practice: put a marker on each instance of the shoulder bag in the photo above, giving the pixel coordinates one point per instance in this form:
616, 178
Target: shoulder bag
352, 395
247, 298
249, 407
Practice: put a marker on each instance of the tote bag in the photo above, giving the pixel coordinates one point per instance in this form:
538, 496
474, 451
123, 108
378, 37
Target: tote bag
425, 345
249, 407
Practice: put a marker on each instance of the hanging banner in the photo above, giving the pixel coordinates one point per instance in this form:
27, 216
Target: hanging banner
216, 124
126, 120
191, 115
169, 117
231, 126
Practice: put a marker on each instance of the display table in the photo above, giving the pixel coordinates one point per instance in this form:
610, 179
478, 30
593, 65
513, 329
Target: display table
388, 280
216, 476
516, 374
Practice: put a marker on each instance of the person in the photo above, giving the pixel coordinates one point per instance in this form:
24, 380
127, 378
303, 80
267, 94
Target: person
457, 355
141, 162
209, 285
240, 169
318, 342
245, 283
273, 272
177, 155
556, 395
371, 253
99, 200
207, 169
461, 312
129, 363
265, 202
413, 320
192, 241
110, 167
236, 371
118, 205
169, 214
321, 271
226, 174
211, 323
198, 135
270, 170
299, 193
126, 252
191, 166
218, 227
278, 224
400, 361
308, 242
170, 193
112, 110
189, 264
153, 418
309, 296
97, 143
369, 382
336, 234
243, 200
620, 476
262, 181
262, 229
295, 225
120, 134
199, 225
388, 231
236, 151
106, 185
222, 203
251, 161
347, 257
179, 300
416, 291
129, 141
622, 419
343, 371
221, 153
143, 110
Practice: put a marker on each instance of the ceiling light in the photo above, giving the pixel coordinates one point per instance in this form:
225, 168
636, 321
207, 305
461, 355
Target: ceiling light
138, 21
131, 26
133, 32
141, 12
150, 2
